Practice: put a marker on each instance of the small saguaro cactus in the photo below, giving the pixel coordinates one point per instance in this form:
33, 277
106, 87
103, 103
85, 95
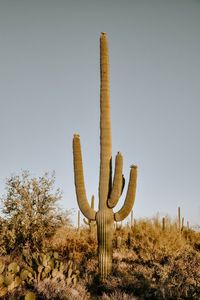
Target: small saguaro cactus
182, 223
89, 222
179, 218
132, 219
188, 225
79, 221
163, 223
110, 189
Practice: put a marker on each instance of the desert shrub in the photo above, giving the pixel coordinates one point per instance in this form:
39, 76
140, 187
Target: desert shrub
192, 238
118, 295
30, 211
70, 243
54, 290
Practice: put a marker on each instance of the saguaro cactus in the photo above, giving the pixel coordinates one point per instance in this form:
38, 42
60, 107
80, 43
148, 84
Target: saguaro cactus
109, 190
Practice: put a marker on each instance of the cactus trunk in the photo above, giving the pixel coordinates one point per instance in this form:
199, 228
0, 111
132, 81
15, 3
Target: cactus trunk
105, 227
105, 217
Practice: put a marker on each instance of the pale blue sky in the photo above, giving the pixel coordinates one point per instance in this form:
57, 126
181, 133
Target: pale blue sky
49, 89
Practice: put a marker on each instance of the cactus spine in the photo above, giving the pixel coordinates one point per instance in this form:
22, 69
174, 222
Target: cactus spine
109, 190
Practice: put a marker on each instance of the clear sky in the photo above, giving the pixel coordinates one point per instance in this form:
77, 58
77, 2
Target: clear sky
49, 89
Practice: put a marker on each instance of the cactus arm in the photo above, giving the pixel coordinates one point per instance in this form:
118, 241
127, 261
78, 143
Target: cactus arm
86, 221
84, 206
117, 183
105, 125
130, 197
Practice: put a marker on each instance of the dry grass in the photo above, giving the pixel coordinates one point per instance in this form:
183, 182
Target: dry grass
150, 264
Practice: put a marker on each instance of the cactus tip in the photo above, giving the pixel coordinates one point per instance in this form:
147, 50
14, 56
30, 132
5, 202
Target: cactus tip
133, 167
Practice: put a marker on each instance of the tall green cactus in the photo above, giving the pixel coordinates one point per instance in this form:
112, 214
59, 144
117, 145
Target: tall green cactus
109, 190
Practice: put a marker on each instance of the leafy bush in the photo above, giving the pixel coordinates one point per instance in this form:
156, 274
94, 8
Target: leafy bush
30, 212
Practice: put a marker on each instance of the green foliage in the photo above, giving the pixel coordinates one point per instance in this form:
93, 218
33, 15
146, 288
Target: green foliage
30, 212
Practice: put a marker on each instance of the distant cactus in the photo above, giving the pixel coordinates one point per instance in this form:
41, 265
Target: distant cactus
182, 223
179, 218
79, 221
188, 225
128, 226
132, 221
129, 240
89, 222
109, 189
163, 223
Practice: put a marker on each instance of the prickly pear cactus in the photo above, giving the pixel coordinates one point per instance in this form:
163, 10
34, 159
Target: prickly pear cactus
30, 296
110, 189
49, 265
9, 277
36, 267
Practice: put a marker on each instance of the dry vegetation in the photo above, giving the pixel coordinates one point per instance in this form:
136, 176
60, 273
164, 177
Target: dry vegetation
148, 262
